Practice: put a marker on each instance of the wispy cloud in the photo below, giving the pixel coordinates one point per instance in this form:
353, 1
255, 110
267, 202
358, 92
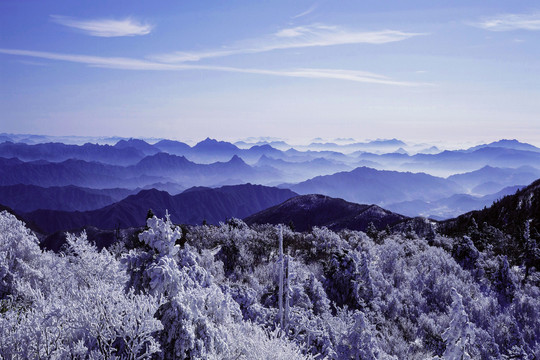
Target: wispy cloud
137, 64
95, 61
105, 27
307, 12
509, 22
316, 35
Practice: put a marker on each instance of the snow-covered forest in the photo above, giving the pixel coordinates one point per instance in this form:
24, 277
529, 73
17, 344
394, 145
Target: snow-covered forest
238, 292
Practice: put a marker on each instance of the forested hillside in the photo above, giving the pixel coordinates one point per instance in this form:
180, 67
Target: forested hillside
510, 227
230, 292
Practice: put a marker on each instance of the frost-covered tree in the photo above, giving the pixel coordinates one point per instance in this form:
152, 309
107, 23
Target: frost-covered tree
216, 296
19, 254
359, 342
504, 282
71, 306
459, 336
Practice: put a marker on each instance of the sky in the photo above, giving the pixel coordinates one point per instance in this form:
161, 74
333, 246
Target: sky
425, 71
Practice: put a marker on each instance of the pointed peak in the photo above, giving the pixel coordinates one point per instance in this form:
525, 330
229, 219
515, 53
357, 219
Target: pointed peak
236, 160
206, 142
214, 145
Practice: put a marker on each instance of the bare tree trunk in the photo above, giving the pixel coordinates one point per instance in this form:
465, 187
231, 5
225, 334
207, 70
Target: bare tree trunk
287, 292
280, 296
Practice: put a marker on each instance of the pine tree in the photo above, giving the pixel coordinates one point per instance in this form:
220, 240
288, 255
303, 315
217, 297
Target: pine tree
504, 283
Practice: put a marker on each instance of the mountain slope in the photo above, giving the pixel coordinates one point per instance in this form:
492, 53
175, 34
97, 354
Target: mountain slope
306, 211
492, 178
190, 207
472, 160
26, 198
301, 170
71, 172
173, 147
366, 185
503, 226
507, 214
449, 207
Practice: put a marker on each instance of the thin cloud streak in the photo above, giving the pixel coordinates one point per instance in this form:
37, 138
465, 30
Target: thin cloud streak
508, 22
95, 61
316, 35
307, 12
136, 64
105, 27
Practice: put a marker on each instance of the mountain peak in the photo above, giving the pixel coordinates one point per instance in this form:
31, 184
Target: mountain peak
236, 160
163, 160
507, 144
262, 147
215, 145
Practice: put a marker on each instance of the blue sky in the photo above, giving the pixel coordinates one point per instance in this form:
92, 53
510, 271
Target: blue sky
452, 71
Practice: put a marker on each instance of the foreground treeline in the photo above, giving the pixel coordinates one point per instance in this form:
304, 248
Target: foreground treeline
226, 292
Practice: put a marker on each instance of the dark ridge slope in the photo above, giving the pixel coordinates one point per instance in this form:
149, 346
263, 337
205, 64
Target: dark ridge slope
307, 211
26, 198
507, 214
502, 226
190, 207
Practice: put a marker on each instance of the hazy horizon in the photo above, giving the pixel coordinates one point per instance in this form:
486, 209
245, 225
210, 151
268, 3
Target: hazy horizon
298, 142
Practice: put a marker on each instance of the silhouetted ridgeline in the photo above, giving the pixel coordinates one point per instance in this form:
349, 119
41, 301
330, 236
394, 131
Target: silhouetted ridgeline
190, 207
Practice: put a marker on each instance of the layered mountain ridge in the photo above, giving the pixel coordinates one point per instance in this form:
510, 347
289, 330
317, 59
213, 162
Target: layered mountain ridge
394, 175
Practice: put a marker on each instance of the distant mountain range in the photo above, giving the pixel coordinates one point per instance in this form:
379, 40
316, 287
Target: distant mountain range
303, 169
72, 172
380, 145
305, 211
193, 206
390, 154
157, 168
472, 160
489, 180
58, 152
366, 185
477, 175
138, 144
210, 150
507, 144
449, 207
